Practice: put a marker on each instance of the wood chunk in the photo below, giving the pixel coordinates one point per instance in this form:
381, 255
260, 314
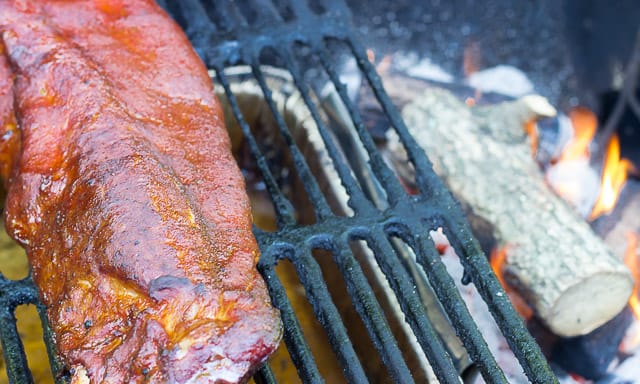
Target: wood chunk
555, 261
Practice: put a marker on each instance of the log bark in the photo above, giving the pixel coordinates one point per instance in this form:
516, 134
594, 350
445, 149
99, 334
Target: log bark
554, 260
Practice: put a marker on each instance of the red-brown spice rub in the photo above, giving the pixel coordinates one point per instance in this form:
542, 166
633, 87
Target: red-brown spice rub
124, 192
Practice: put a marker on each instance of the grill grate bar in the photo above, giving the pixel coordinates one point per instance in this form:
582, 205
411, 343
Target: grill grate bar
194, 11
265, 375
333, 8
228, 10
511, 325
357, 200
385, 176
281, 204
297, 346
221, 23
326, 312
300, 9
404, 288
12, 349
317, 199
56, 365
443, 285
428, 182
268, 12
474, 262
16, 292
369, 310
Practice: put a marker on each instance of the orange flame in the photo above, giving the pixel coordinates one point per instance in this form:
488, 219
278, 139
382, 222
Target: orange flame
631, 260
632, 339
584, 124
532, 132
471, 58
497, 261
371, 56
577, 378
614, 175
569, 171
384, 65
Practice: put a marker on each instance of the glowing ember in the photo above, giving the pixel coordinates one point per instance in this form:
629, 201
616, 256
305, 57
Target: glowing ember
532, 132
497, 261
371, 56
471, 58
614, 175
498, 257
632, 338
584, 124
631, 260
383, 66
570, 174
577, 378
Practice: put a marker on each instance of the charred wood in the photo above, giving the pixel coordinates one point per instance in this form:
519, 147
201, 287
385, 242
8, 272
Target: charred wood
590, 355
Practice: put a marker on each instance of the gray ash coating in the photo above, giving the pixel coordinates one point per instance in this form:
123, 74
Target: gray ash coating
567, 48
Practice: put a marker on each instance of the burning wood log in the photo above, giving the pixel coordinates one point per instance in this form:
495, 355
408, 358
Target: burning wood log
554, 260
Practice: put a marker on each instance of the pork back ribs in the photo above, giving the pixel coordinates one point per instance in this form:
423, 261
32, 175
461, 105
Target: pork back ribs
124, 192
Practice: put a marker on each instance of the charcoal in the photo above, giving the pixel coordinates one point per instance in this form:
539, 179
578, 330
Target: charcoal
590, 355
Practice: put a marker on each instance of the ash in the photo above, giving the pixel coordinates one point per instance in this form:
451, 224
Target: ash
480, 313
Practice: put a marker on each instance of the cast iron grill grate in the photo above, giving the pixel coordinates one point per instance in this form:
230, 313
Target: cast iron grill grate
224, 36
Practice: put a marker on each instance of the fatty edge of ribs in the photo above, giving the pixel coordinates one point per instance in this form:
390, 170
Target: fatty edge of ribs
123, 190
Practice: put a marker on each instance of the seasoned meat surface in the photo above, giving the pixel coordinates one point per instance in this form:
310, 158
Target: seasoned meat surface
123, 190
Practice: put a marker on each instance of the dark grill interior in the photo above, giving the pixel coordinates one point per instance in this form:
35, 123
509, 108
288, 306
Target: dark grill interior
229, 33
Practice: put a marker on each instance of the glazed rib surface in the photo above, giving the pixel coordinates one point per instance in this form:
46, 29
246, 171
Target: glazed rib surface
124, 192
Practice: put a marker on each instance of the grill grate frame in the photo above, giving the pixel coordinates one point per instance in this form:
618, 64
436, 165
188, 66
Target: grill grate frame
223, 37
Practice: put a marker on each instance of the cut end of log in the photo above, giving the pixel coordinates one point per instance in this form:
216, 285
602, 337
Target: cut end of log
539, 105
589, 304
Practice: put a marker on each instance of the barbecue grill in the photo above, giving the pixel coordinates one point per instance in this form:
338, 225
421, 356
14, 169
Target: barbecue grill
228, 33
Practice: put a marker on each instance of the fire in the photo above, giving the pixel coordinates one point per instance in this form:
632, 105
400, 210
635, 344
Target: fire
383, 66
471, 58
631, 260
570, 174
532, 132
584, 124
632, 339
371, 55
573, 178
577, 378
614, 175
497, 261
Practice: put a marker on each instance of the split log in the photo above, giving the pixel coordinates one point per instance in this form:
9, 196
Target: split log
554, 260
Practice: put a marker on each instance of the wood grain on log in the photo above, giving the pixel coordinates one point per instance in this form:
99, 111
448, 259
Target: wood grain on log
554, 259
